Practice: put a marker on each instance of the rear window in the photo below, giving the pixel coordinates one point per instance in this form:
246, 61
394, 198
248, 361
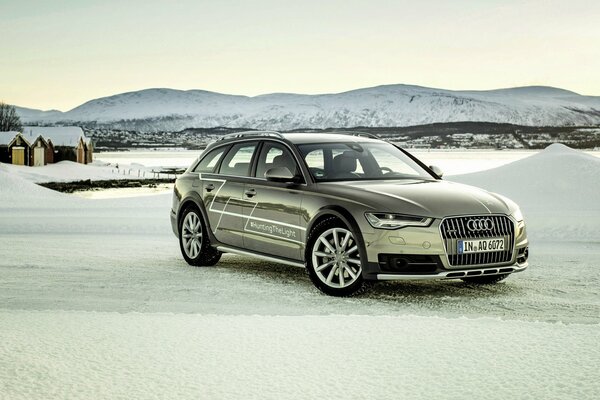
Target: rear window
238, 160
211, 160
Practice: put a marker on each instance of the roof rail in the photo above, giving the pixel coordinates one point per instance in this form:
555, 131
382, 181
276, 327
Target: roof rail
357, 133
251, 134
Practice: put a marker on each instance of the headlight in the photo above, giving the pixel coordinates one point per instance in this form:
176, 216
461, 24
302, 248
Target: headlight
518, 215
520, 227
396, 221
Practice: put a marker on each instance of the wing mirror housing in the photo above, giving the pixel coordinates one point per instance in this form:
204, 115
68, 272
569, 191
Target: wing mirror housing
281, 174
436, 170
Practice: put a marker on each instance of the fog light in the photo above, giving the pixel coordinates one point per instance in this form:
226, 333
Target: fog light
397, 240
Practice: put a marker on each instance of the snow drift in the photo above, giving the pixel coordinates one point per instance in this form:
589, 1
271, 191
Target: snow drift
558, 190
26, 207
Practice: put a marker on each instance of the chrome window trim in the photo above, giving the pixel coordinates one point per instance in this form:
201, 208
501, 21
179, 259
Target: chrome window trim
233, 142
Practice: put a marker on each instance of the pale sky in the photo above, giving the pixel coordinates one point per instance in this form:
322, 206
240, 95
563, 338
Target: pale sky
61, 53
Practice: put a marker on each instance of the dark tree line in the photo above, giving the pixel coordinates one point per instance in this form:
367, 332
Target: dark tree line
9, 120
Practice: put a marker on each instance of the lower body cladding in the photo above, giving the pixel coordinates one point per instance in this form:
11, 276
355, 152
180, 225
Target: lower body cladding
453, 274
420, 253
446, 251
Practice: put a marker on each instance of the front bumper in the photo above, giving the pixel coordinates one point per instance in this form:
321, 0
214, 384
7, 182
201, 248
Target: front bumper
424, 249
455, 274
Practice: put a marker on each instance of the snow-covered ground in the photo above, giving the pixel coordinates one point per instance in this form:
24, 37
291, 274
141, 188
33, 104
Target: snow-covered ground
68, 171
96, 302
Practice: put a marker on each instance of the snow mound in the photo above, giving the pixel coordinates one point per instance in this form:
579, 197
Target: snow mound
558, 190
559, 148
16, 192
27, 207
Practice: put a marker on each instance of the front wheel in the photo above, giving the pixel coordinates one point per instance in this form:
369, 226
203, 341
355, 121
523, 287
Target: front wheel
194, 241
334, 259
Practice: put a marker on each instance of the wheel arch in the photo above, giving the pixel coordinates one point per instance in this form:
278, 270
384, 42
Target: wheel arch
194, 200
340, 213
332, 211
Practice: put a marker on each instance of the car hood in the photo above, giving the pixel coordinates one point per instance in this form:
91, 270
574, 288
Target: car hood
430, 198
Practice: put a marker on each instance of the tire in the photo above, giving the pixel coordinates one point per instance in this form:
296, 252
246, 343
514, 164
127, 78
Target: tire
334, 260
193, 240
485, 280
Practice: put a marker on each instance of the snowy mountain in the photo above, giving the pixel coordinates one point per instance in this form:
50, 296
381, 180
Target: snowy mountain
381, 106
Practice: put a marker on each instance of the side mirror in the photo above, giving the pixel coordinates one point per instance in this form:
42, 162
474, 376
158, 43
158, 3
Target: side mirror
280, 174
436, 170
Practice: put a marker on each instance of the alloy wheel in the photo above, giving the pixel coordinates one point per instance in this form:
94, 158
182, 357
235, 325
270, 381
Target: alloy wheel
191, 235
336, 259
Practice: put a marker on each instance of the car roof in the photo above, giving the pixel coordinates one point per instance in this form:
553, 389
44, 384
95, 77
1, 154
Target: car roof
326, 137
299, 137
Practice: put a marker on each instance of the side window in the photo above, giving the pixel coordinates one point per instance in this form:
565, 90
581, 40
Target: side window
238, 159
315, 160
210, 161
274, 155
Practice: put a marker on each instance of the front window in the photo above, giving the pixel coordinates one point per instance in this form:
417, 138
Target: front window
359, 161
275, 155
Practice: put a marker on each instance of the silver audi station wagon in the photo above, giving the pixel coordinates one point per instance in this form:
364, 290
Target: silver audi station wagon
348, 207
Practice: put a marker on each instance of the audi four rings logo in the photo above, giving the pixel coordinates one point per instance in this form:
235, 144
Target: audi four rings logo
482, 224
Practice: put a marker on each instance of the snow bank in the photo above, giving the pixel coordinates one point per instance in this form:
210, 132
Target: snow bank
74, 355
68, 171
558, 190
26, 207
18, 192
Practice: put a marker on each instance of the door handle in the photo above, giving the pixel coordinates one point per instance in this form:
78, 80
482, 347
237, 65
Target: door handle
210, 187
250, 192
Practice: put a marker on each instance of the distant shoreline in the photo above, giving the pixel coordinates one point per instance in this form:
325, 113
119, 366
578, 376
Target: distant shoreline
451, 135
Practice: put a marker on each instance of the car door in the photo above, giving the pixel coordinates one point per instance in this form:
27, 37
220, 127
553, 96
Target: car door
223, 193
272, 210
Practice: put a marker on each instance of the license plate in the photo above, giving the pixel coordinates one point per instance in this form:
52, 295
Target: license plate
480, 245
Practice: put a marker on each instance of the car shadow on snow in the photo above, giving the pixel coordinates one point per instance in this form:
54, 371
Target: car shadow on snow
405, 291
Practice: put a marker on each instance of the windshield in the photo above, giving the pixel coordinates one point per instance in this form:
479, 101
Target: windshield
359, 161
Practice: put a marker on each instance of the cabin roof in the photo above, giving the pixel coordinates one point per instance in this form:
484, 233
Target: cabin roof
59, 135
7, 137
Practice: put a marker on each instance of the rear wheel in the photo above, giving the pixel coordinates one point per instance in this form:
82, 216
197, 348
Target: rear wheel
485, 280
333, 259
193, 240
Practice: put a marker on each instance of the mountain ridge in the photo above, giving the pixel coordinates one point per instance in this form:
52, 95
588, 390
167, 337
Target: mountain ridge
378, 106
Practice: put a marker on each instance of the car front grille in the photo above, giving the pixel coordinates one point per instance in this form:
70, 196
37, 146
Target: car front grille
458, 228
